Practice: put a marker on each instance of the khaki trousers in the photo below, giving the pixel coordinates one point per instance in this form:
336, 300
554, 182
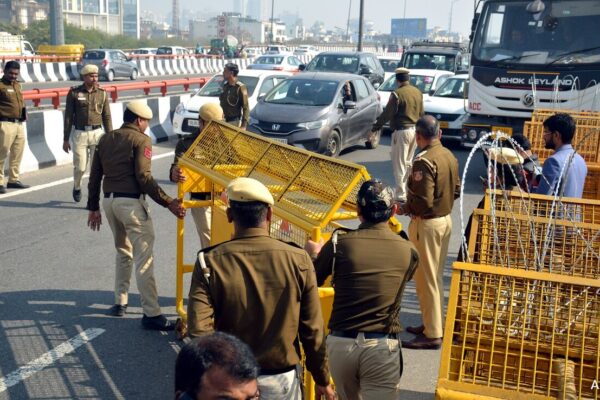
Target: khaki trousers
84, 146
284, 386
402, 153
366, 369
133, 235
202, 217
12, 140
431, 238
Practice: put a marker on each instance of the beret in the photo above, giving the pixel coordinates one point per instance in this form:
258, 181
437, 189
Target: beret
140, 108
247, 189
88, 69
211, 112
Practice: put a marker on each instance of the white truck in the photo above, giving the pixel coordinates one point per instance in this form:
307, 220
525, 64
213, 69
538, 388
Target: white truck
531, 54
14, 45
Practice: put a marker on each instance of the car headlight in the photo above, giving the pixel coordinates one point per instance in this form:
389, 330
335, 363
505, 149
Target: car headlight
472, 134
252, 121
180, 109
314, 124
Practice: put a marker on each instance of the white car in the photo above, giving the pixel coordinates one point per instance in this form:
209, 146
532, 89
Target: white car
278, 49
389, 64
252, 52
448, 105
426, 80
306, 50
258, 82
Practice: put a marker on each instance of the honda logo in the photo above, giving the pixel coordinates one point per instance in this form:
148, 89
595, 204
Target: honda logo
276, 127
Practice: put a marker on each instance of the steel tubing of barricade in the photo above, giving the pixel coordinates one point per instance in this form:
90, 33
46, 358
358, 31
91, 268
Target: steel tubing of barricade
37, 95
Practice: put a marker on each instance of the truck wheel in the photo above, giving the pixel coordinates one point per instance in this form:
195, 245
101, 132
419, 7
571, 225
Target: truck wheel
110, 76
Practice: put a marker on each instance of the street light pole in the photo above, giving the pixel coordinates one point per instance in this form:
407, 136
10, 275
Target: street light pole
272, 21
360, 25
348, 23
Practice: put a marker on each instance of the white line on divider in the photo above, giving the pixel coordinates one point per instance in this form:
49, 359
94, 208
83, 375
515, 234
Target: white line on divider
62, 181
49, 358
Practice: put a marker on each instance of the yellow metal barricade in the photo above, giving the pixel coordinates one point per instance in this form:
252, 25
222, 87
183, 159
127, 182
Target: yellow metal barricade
312, 193
523, 317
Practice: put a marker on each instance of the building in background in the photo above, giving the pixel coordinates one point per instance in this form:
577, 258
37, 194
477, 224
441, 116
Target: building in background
23, 12
409, 28
246, 30
241, 7
115, 17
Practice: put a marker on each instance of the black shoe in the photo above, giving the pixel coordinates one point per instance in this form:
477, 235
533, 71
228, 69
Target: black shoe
17, 185
158, 323
422, 342
415, 330
117, 310
2, 189
77, 195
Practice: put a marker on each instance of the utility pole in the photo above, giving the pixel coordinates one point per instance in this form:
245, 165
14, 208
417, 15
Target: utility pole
360, 24
272, 21
348, 23
57, 30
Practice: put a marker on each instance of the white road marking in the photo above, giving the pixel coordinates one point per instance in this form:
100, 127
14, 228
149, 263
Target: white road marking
49, 358
62, 181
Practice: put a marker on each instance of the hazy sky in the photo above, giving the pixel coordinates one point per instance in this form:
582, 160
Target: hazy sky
335, 12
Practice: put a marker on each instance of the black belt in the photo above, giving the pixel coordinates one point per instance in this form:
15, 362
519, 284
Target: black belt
200, 195
276, 371
114, 195
89, 127
5, 119
368, 335
229, 119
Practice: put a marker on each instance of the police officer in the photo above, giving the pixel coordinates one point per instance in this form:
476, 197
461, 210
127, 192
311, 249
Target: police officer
87, 109
263, 291
433, 186
234, 98
403, 109
369, 268
12, 133
123, 158
208, 112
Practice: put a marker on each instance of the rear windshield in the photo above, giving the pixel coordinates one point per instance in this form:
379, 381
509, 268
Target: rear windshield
333, 63
269, 60
164, 50
389, 65
94, 55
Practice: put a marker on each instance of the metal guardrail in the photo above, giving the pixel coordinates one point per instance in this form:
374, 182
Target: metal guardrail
55, 95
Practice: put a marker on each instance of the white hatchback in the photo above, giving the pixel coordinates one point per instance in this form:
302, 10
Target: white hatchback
449, 104
258, 82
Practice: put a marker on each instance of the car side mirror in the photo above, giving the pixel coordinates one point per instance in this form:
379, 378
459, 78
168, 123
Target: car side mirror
366, 71
302, 67
376, 85
349, 105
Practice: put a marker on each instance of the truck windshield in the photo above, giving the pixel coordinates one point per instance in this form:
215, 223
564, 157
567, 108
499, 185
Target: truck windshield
564, 33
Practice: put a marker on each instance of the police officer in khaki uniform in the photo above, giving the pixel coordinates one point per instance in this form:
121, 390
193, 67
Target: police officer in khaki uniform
87, 109
369, 268
234, 98
12, 133
123, 159
403, 109
433, 186
263, 291
202, 215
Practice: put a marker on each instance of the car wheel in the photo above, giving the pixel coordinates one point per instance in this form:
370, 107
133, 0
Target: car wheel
134, 74
334, 144
374, 140
110, 76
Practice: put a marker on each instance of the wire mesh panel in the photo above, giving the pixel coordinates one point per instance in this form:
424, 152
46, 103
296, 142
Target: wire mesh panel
522, 332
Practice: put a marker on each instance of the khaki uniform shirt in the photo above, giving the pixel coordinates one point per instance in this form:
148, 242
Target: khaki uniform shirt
11, 100
263, 291
123, 157
234, 102
403, 109
434, 183
85, 107
370, 265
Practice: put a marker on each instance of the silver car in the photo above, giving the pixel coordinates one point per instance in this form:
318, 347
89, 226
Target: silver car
111, 64
321, 112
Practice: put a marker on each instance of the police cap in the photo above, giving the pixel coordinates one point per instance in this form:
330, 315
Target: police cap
140, 108
402, 70
211, 112
246, 190
89, 69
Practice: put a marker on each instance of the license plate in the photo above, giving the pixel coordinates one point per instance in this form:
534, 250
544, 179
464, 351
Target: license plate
443, 124
284, 141
193, 122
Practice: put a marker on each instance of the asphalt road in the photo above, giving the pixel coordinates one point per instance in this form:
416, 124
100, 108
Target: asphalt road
57, 277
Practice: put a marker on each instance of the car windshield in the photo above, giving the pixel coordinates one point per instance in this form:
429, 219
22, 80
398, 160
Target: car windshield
430, 61
214, 87
333, 63
453, 88
422, 82
269, 60
164, 50
94, 55
389, 85
389, 65
303, 92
